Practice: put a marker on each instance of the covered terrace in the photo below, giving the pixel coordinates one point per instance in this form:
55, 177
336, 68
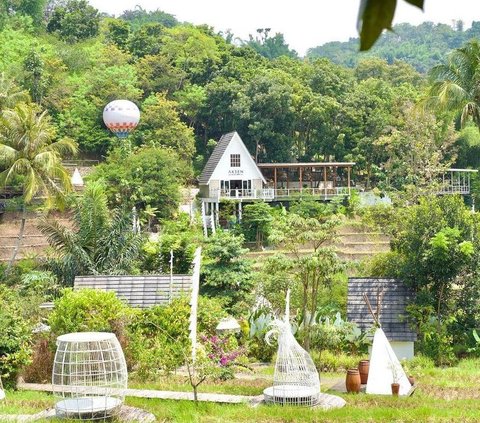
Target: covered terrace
320, 179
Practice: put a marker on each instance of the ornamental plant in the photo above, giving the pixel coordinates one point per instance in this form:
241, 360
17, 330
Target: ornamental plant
223, 352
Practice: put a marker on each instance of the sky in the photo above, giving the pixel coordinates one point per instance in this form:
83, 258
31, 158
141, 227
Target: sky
304, 23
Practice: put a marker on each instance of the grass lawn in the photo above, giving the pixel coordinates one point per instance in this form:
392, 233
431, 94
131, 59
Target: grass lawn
442, 395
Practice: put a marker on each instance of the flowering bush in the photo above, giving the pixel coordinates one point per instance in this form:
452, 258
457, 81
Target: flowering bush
223, 352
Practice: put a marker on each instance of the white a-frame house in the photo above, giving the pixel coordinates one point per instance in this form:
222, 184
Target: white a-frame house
231, 173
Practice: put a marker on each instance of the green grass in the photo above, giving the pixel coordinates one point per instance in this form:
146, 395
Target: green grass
180, 383
443, 395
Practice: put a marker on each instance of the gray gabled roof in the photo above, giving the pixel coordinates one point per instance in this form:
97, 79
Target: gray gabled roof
215, 157
393, 316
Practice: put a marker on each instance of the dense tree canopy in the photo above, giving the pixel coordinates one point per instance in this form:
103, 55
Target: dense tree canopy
74, 21
193, 85
421, 46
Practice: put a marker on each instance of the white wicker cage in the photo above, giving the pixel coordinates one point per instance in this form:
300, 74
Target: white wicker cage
296, 380
89, 375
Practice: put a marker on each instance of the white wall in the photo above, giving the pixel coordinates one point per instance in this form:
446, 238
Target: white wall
247, 170
402, 349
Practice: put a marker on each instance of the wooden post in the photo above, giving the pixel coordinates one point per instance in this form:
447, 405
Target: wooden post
274, 178
348, 179
287, 179
325, 180
300, 178
334, 176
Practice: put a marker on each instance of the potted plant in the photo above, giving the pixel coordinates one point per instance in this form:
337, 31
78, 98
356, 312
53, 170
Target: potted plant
396, 374
407, 370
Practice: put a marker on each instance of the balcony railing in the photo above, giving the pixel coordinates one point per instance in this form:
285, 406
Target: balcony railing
455, 189
271, 194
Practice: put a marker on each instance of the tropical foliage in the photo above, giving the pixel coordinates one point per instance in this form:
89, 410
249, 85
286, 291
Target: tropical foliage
100, 242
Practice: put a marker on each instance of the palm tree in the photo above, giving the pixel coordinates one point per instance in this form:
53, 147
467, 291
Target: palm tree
101, 241
456, 83
28, 154
10, 95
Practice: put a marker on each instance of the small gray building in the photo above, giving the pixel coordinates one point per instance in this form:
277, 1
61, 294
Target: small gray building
393, 316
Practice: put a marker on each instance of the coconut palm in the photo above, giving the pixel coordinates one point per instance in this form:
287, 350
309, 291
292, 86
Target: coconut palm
30, 157
456, 83
10, 94
100, 242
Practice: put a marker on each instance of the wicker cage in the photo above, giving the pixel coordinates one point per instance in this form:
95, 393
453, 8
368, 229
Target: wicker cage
89, 376
296, 380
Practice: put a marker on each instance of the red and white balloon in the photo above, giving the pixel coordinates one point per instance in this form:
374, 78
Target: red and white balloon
121, 117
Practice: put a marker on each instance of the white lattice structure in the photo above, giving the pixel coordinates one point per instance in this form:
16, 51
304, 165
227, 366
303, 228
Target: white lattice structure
89, 375
295, 380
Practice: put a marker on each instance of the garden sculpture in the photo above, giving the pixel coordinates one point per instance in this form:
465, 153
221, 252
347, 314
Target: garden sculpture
296, 380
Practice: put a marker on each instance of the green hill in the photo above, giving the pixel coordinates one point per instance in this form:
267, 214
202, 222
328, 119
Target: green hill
421, 46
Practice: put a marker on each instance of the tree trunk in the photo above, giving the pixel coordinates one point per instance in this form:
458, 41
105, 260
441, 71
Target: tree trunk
19, 242
195, 393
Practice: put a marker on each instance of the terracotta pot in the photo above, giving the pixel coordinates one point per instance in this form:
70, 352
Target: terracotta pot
411, 379
353, 381
395, 388
363, 367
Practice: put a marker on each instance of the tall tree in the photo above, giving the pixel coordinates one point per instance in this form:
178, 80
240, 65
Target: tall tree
456, 83
139, 16
30, 155
74, 21
312, 273
268, 46
419, 150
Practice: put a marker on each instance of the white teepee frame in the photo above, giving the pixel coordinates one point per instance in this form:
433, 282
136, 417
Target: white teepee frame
385, 368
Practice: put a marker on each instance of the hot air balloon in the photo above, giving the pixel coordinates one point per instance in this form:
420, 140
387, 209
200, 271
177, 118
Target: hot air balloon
121, 117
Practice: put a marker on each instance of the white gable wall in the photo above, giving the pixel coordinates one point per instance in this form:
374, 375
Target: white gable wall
247, 170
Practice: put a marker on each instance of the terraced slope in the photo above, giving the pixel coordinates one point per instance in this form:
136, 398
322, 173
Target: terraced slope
33, 244
354, 242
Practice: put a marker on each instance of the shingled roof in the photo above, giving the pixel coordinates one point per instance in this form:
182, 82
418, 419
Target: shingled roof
393, 316
215, 157
138, 290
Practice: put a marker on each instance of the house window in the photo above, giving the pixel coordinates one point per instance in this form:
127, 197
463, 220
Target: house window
234, 160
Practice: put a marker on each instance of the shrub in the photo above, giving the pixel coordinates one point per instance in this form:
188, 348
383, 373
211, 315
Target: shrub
180, 236
223, 353
336, 335
15, 337
159, 336
385, 264
420, 362
89, 310
327, 361
226, 273
380, 216
40, 368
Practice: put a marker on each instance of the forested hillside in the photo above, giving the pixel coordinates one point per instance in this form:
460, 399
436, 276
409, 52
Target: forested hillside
421, 46
193, 85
